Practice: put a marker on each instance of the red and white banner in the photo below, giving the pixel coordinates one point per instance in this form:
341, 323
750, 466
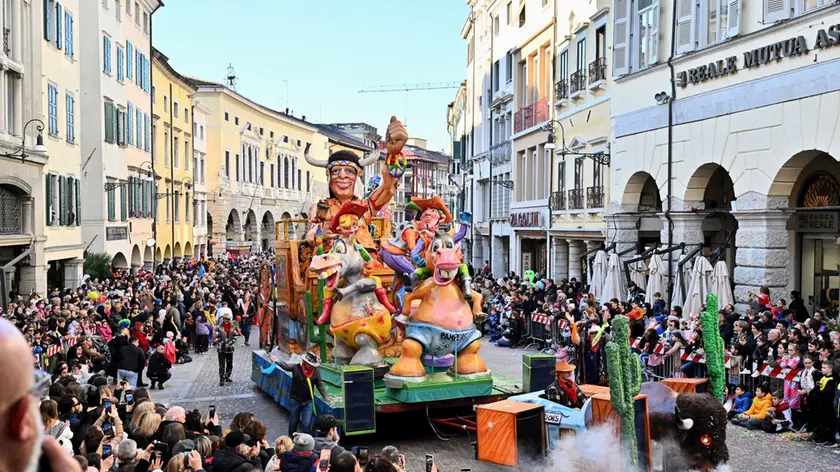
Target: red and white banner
783, 373
659, 349
544, 319
59, 348
701, 358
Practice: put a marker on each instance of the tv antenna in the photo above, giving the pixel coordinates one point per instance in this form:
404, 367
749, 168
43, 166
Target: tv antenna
231, 77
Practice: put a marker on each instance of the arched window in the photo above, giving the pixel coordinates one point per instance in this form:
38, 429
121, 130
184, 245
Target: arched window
294, 161
285, 172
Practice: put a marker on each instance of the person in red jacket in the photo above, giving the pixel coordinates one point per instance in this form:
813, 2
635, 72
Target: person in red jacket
141, 336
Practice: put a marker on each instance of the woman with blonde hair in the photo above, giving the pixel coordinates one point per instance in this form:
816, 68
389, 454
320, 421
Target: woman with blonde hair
282, 445
144, 423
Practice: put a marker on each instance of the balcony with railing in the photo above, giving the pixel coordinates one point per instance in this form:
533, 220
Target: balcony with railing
531, 115
558, 201
598, 73
561, 92
575, 199
6, 48
500, 153
577, 83
595, 197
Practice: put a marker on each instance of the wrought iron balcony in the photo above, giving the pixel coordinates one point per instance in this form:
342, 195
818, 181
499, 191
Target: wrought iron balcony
595, 197
598, 70
11, 214
530, 115
561, 90
576, 199
577, 81
6, 48
500, 153
558, 201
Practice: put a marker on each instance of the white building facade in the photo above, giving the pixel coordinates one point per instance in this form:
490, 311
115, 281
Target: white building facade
746, 162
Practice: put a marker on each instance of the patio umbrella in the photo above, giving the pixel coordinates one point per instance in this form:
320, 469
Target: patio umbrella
701, 281
720, 284
681, 277
612, 286
599, 274
656, 278
637, 274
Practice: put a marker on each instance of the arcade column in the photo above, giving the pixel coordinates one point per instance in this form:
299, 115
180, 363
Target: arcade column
560, 264
575, 253
762, 255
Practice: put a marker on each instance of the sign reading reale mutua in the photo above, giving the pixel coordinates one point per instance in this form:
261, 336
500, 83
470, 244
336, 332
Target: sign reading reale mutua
791, 47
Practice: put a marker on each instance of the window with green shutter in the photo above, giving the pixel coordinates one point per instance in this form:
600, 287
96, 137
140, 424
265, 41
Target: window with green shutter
62, 200
78, 186
123, 205
47, 22
112, 210
110, 123
48, 186
58, 30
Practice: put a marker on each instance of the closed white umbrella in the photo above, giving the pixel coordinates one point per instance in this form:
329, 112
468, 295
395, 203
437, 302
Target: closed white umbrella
656, 278
637, 274
720, 284
682, 278
701, 281
613, 287
599, 274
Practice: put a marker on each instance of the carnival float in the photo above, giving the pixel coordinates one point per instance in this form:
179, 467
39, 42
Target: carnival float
390, 313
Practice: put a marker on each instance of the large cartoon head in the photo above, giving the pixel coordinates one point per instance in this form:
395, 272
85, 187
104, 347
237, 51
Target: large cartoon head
443, 258
433, 212
346, 222
343, 168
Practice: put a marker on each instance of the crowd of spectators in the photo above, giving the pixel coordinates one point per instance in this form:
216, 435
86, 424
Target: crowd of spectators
765, 336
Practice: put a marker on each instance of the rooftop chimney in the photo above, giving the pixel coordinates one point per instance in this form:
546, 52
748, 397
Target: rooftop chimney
303, 118
287, 110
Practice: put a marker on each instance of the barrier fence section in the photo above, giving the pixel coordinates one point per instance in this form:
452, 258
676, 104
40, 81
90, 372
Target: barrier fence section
44, 359
662, 362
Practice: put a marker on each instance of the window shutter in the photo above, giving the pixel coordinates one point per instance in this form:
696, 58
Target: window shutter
123, 203
129, 60
776, 10
58, 30
62, 200
685, 25
68, 32
621, 37
78, 202
49, 199
109, 122
733, 25
47, 21
654, 41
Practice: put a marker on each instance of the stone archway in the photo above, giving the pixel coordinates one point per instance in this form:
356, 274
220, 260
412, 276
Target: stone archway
148, 261
167, 253
188, 250
178, 252
233, 229
267, 230
158, 254
136, 259
252, 230
641, 194
119, 261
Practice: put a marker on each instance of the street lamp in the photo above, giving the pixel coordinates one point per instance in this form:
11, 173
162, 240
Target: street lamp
602, 157
39, 148
152, 173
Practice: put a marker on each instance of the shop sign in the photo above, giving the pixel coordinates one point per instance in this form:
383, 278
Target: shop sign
791, 47
528, 219
116, 233
526, 261
817, 222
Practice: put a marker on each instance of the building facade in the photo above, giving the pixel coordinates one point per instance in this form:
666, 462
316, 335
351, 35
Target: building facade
201, 219
64, 245
116, 141
579, 165
256, 172
740, 157
174, 158
22, 198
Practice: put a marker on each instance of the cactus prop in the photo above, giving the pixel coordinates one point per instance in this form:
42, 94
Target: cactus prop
625, 377
713, 346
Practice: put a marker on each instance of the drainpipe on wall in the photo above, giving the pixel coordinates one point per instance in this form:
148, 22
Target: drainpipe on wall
671, 99
172, 168
152, 137
550, 219
472, 140
490, 152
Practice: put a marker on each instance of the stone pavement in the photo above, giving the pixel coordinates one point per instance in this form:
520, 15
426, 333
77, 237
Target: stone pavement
196, 385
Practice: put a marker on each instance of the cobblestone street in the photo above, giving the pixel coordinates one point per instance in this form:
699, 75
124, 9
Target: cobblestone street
195, 385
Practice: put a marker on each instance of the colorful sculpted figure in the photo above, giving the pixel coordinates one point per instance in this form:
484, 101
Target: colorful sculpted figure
359, 323
442, 323
396, 252
345, 224
422, 272
343, 169
528, 277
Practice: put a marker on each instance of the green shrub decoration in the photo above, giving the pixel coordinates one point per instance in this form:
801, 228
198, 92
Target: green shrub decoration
713, 346
625, 377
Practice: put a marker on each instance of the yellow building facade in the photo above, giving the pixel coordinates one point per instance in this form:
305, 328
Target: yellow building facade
173, 160
60, 75
256, 171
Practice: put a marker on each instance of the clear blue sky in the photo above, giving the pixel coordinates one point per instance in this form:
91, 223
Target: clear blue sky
328, 50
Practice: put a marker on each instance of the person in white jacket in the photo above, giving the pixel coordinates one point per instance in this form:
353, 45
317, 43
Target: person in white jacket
806, 385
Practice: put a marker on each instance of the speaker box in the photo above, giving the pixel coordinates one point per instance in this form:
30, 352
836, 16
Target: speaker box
510, 433
359, 404
536, 371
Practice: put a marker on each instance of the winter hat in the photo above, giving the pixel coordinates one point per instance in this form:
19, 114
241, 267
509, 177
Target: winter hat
235, 438
303, 442
125, 324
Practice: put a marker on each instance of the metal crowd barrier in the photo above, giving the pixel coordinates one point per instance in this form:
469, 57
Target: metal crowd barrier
546, 333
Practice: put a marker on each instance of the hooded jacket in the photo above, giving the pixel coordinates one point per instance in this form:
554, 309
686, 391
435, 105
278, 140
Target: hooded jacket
228, 460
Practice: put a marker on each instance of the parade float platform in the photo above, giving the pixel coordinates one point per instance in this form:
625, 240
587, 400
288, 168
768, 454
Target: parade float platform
439, 391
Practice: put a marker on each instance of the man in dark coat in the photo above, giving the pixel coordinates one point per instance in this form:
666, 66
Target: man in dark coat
132, 360
563, 390
236, 456
159, 366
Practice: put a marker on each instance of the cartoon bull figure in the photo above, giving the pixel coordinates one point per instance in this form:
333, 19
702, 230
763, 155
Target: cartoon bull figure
696, 422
